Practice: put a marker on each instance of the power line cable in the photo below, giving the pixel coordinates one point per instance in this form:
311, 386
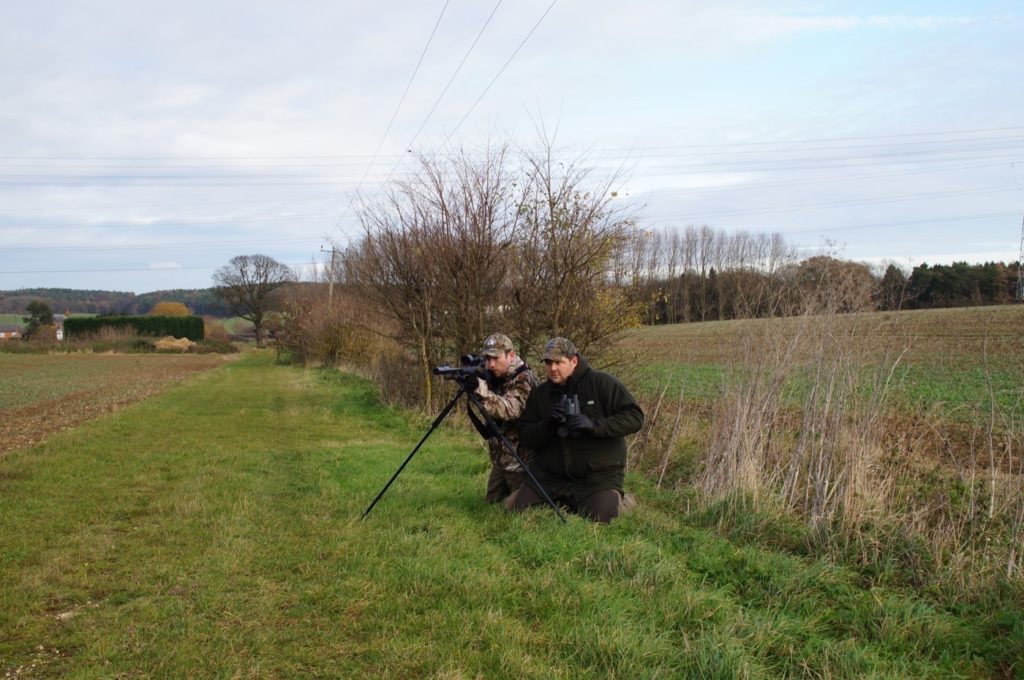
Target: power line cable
430, 113
173, 244
624, 149
239, 174
177, 205
133, 269
743, 186
482, 94
835, 204
401, 101
162, 224
498, 74
458, 68
880, 225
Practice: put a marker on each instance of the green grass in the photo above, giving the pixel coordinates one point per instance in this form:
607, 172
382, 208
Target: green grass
13, 319
963, 392
236, 325
212, 531
698, 381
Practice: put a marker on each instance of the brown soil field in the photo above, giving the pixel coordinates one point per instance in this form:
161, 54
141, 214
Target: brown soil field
41, 394
938, 337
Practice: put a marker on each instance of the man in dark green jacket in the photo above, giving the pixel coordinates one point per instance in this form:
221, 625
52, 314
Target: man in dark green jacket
579, 458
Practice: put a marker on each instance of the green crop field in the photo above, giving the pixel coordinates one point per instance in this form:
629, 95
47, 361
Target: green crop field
952, 359
212, 531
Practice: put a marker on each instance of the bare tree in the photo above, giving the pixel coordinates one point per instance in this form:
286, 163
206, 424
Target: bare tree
248, 284
467, 245
569, 236
435, 255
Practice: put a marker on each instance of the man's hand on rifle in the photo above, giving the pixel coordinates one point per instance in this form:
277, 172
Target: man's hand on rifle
470, 382
482, 389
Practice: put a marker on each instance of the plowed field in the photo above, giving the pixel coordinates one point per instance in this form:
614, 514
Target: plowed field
41, 394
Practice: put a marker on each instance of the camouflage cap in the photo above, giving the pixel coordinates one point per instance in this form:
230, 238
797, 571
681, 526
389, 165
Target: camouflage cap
557, 349
495, 344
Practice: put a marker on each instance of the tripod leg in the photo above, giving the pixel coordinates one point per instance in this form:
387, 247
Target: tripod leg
437, 421
511, 449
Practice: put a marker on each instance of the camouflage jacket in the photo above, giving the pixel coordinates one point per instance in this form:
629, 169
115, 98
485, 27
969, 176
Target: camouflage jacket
505, 402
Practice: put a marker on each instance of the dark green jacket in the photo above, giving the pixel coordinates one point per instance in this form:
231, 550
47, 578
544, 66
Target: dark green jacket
585, 464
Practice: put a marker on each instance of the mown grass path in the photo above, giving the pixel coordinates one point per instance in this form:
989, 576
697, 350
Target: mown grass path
212, 531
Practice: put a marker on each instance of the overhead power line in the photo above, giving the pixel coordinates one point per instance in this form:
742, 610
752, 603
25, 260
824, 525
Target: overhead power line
430, 113
168, 245
401, 101
903, 223
131, 269
412, 142
498, 74
697, 216
359, 159
161, 224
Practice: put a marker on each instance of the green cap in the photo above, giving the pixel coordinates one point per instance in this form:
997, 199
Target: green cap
495, 344
557, 349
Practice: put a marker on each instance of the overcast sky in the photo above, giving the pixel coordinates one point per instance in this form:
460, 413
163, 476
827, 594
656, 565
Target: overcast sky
144, 144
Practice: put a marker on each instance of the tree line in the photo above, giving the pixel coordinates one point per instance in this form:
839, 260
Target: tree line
959, 284
201, 301
701, 274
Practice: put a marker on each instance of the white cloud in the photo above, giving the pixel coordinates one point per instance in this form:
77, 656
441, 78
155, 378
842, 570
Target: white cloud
299, 94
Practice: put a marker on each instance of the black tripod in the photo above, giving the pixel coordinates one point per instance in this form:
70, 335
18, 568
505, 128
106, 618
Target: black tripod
492, 427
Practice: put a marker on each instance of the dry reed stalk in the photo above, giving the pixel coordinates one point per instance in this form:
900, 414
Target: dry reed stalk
672, 439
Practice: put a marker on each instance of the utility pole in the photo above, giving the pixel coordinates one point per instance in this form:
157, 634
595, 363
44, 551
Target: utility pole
330, 276
1020, 265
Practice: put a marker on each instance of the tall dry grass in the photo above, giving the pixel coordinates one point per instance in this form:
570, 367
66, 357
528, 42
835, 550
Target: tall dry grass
796, 422
971, 511
806, 424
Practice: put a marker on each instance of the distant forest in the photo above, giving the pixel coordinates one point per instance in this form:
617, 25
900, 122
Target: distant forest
202, 302
722, 292
741, 292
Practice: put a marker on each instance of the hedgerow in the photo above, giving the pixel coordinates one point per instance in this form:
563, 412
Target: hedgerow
190, 327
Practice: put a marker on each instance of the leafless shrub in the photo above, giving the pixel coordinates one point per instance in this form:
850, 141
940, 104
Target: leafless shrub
795, 420
468, 245
327, 330
572, 228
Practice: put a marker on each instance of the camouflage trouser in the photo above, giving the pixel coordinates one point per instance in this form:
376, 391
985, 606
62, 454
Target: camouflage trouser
501, 483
